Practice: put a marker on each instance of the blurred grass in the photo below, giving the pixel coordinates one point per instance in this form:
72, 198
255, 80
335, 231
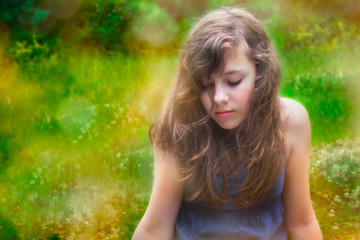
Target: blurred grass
79, 124
75, 159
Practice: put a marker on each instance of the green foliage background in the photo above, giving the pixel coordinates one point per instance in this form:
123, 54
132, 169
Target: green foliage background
81, 81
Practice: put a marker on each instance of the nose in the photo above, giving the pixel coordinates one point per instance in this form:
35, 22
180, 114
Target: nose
220, 95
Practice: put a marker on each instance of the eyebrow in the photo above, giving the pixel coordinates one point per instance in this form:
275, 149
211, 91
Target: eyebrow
231, 72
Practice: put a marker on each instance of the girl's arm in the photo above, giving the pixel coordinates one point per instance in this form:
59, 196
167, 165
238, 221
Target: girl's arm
299, 214
160, 216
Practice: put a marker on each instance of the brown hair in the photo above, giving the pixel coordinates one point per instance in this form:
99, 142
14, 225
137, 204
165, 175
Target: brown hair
203, 148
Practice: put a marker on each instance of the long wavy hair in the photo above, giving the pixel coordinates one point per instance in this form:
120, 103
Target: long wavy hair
204, 150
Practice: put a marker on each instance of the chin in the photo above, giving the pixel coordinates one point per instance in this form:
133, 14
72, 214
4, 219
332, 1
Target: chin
228, 126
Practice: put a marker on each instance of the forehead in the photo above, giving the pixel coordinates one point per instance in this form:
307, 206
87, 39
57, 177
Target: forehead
235, 62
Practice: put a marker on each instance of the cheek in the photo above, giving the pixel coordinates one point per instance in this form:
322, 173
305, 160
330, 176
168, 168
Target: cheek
243, 98
205, 100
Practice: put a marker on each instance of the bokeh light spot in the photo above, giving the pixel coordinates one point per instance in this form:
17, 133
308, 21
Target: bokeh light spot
154, 25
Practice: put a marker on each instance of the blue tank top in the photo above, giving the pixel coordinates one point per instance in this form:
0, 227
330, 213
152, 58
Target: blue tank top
197, 220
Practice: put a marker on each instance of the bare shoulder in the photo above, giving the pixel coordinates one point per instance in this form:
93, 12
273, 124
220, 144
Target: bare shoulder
293, 115
166, 163
296, 125
161, 154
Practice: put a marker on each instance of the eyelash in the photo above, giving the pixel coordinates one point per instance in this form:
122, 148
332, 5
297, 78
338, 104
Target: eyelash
233, 84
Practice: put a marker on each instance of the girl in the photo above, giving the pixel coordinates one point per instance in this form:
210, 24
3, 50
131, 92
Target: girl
231, 157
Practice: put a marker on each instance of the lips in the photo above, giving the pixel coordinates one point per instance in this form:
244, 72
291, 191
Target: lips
223, 113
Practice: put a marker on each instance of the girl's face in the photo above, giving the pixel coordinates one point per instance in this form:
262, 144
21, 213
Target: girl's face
231, 89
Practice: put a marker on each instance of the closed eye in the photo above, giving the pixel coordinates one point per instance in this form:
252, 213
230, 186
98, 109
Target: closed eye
233, 84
